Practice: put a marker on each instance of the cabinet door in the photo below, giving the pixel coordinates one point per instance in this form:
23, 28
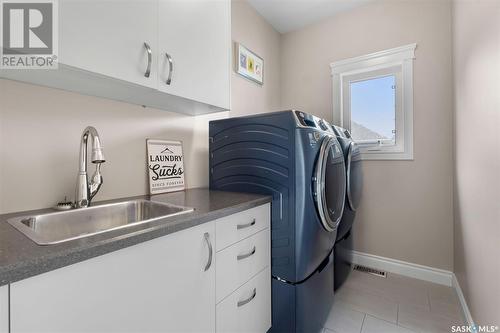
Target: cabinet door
195, 36
4, 309
107, 37
161, 285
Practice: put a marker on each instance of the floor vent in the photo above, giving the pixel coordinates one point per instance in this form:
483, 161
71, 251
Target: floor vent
370, 270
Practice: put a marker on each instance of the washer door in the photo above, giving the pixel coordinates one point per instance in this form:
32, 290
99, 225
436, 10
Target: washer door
354, 176
330, 185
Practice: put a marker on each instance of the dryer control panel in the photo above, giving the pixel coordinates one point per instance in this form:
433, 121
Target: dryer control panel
342, 132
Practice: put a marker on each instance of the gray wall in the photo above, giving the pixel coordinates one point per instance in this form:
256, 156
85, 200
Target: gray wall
407, 210
476, 37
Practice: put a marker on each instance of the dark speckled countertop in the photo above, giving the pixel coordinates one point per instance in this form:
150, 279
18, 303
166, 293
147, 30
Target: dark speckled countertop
21, 258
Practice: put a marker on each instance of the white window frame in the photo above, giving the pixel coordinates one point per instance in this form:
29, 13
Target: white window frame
397, 62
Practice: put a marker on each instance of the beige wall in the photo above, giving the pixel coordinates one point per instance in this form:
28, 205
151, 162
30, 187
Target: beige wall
406, 212
40, 131
251, 30
476, 38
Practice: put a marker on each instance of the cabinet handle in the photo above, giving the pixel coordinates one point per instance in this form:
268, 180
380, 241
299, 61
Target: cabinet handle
243, 226
249, 299
249, 254
170, 68
210, 251
150, 59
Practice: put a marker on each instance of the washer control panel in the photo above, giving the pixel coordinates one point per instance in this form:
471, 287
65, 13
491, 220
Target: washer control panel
308, 120
305, 119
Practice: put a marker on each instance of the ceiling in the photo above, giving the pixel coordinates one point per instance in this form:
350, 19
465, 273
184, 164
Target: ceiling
289, 15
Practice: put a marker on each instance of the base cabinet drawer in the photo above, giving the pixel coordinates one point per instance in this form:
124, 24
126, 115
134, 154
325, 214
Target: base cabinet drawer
232, 229
240, 262
248, 309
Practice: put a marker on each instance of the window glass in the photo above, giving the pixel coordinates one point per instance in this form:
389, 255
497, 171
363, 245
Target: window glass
373, 110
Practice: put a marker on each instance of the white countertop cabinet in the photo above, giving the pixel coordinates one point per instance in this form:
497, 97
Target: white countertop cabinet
184, 281
160, 285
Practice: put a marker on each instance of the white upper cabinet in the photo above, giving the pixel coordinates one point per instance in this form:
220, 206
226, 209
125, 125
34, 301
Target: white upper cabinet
108, 37
194, 40
103, 52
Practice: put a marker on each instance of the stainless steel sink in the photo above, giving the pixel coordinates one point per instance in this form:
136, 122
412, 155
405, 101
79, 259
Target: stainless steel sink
53, 228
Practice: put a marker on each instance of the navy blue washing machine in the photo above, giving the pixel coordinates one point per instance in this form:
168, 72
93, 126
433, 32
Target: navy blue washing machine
354, 186
296, 158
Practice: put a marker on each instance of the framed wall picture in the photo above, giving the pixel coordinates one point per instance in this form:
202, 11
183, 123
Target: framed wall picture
248, 64
165, 166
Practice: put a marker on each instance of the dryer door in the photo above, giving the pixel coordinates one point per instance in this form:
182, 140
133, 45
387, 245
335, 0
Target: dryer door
330, 183
354, 176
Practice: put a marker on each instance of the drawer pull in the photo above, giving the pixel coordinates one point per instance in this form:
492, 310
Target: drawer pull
243, 226
249, 299
249, 254
210, 251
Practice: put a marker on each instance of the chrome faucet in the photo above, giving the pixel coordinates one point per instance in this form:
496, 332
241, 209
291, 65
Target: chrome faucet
85, 191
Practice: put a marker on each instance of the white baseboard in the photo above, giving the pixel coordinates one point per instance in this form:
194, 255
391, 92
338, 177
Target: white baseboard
416, 271
463, 303
404, 268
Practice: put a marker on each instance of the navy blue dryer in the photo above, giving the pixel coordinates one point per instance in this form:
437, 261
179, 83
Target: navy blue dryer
296, 158
343, 245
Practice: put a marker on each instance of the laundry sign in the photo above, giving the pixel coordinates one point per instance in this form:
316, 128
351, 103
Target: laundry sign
165, 166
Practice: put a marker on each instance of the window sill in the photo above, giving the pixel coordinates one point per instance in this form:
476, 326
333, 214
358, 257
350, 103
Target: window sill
386, 156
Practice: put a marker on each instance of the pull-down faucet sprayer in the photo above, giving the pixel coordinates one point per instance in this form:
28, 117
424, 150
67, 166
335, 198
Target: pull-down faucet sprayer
85, 191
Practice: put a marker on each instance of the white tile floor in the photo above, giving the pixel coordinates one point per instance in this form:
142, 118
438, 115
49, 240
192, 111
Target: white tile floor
396, 304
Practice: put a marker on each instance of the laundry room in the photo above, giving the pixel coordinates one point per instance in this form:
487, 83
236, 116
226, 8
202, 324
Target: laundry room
256, 166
